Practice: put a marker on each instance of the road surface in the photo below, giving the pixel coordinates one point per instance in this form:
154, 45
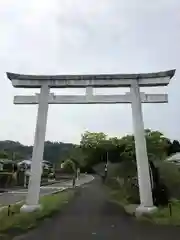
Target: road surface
15, 196
90, 216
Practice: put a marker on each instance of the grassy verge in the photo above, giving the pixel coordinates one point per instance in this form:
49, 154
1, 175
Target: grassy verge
19, 223
118, 194
163, 216
120, 197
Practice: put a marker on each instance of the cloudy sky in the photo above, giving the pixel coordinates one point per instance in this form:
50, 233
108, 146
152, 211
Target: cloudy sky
88, 36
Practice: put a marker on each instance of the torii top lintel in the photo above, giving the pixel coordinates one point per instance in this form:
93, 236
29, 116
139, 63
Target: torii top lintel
93, 80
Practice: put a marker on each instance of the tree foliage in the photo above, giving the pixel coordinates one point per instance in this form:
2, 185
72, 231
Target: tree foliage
94, 148
97, 147
53, 151
69, 166
157, 145
174, 147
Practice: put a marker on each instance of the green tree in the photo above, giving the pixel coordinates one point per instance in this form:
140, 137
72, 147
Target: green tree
91, 146
3, 155
78, 156
69, 166
97, 146
90, 140
174, 147
157, 145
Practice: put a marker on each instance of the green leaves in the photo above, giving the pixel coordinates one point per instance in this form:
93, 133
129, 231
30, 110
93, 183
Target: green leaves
157, 144
69, 166
96, 147
92, 140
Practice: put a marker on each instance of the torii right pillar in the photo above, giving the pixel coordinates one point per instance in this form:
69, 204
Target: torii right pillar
145, 190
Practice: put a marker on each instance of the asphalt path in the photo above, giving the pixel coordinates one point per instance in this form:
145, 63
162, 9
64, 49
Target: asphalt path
91, 216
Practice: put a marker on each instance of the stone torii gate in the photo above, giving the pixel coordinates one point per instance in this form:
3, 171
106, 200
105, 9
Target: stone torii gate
134, 97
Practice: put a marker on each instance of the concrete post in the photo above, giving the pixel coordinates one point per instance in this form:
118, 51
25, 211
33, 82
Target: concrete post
89, 93
141, 153
32, 201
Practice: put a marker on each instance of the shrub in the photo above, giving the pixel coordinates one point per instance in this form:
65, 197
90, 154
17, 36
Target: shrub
123, 177
170, 176
7, 179
124, 192
45, 174
122, 180
69, 166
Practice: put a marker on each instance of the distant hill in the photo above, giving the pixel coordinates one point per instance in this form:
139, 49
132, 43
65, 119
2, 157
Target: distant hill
53, 151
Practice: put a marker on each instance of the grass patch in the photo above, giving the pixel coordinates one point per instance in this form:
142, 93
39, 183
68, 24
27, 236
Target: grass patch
19, 223
162, 216
123, 193
118, 196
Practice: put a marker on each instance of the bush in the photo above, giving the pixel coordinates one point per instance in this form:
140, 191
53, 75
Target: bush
69, 166
8, 166
7, 179
125, 174
123, 170
51, 175
124, 193
45, 174
170, 176
123, 177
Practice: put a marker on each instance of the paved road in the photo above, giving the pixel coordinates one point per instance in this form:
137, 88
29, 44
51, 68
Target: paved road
90, 216
14, 196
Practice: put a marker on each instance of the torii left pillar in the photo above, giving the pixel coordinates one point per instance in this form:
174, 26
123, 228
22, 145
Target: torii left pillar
32, 200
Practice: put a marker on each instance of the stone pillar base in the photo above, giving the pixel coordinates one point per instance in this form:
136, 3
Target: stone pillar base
145, 210
30, 208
